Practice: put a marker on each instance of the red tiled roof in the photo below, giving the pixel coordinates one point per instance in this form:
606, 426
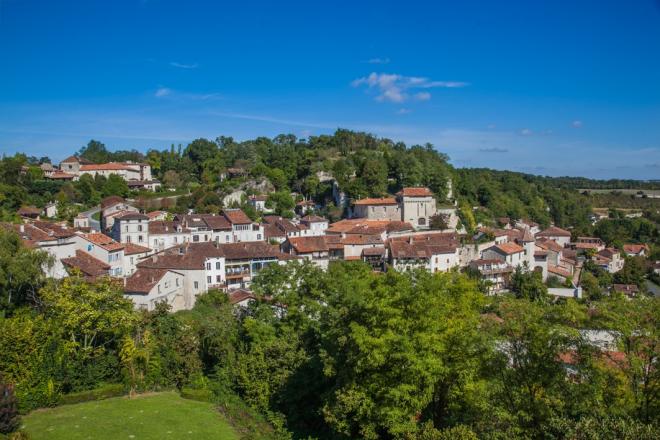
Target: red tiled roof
143, 280
554, 231
91, 267
371, 227
510, 248
132, 215
415, 192
154, 214
559, 271
110, 166
61, 175
132, 249
634, 248
236, 216
305, 245
103, 241
111, 201
239, 295
376, 201
547, 244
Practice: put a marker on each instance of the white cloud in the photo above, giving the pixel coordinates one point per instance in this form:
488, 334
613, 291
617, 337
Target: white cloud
403, 111
162, 91
576, 124
395, 88
378, 61
184, 66
526, 132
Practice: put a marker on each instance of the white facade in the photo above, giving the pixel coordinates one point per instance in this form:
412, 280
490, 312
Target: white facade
169, 289
214, 271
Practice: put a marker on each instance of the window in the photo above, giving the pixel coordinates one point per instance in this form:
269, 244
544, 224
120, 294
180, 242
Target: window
139, 228
218, 278
208, 280
206, 237
128, 239
208, 266
177, 282
140, 239
159, 288
195, 238
196, 285
227, 238
217, 265
131, 260
258, 236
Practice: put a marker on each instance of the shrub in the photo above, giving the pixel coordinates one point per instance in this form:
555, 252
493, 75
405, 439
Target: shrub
201, 395
9, 418
102, 392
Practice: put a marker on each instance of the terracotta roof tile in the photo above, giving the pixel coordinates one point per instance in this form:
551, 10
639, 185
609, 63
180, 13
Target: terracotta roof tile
376, 201
143, 280
91, 267
415, 192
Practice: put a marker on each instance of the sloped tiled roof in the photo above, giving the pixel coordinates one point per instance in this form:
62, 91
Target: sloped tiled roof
236, 216
509, 248
103, 241
415, 192
554, 231
305, 245
91, 267
376, 201
143, 280
132, 249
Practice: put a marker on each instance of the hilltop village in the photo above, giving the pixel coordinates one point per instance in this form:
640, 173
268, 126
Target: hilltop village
173, 258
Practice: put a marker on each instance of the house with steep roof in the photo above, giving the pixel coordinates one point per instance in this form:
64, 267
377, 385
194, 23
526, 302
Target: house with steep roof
53, 238
148, 287
131, 227
609, 259
433, 252
314, 249
386, 208
636, 250
511, 253
561, 236
133, 254
103, 248
316, 225
89, 267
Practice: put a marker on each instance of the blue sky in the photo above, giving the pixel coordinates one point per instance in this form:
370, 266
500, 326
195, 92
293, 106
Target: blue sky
553, 88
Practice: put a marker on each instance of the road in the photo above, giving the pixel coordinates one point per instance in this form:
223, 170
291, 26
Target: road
94, 224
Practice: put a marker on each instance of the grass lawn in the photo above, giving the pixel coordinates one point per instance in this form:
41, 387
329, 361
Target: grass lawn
155, 416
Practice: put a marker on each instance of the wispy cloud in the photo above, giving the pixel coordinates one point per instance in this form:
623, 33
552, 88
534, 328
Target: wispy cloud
162, 92
184, 66
526, 132
493, 150
403, 111
398, 88
165, 92
576, 124
378, 61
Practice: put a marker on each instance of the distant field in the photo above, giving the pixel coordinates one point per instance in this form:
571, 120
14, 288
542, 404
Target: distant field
648, 192
156, 416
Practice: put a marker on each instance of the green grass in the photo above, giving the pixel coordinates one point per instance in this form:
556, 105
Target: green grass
155, 416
